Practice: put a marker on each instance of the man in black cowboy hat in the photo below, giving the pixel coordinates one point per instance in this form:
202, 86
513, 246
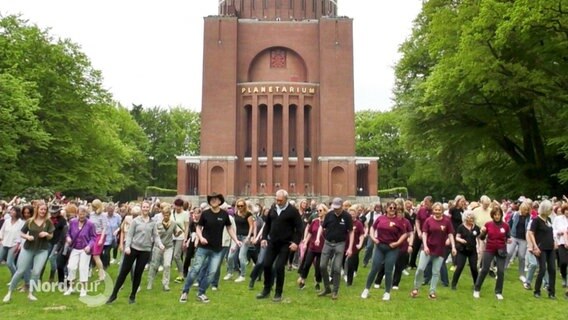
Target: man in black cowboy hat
281, 235
209, 254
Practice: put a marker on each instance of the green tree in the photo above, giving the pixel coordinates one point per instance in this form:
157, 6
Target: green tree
482, 84
70, 139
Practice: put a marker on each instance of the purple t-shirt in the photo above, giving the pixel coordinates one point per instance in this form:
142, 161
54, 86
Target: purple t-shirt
389, 230
438, 231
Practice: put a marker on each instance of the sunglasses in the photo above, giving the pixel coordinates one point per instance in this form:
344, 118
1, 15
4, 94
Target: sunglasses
392, 208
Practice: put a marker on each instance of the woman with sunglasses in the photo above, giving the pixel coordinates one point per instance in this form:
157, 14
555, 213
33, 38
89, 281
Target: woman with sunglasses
388, 233
244, 222
437, 231
314, 251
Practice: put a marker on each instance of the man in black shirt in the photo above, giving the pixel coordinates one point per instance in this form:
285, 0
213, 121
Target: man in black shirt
338, 225
210, 234
281, 235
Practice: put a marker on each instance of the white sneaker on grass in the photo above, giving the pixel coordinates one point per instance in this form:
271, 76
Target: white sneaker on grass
240, 279
377, 286
476, 294
68, 292
499, 296
386, 296
523, 279
228, 276
365, 294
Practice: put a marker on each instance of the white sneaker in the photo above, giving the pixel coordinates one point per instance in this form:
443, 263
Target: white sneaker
31, 297
365, 294
83, 293
406, 273
354, 274
68, 292
228, 276
395, 288
476, 294
240, 279
377, 286
386, 296
345, 278
499, 296
160, 268
112, 261
523, 279
7, 297
214, 288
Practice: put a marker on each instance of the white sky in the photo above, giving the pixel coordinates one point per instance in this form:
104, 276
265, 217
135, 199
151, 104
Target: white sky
144, 51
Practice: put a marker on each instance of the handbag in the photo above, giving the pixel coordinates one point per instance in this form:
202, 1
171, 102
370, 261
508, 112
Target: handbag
502, 253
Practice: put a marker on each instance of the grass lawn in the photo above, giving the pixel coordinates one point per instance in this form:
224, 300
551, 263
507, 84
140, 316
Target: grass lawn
235, 301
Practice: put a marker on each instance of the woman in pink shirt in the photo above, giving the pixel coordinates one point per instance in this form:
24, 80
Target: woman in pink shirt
314, 251
437, 232
498, 235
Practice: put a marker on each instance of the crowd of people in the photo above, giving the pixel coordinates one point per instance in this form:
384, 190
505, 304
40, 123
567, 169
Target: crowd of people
77, 239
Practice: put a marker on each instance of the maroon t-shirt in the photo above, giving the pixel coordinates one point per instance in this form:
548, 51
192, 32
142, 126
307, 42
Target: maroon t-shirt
358, 230
497, 235
404, 246
438, 231
389, 230
313, 230
423, 214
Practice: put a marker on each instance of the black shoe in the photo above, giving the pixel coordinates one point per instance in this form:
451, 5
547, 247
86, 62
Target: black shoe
318, 287
251, 286
324, 292
334, 296
454, 288
302, 285
536, 295
277, 298
263, 295
131, 300
110, 300
551, 297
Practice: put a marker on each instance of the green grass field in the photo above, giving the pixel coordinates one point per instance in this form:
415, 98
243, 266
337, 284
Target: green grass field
235, 301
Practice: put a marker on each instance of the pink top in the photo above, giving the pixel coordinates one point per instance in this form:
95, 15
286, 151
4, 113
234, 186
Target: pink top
497, 235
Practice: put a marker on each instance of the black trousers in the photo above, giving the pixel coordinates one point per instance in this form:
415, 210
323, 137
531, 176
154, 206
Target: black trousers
351, 265
546, 263
277, 255
461, 258
563, 260
309, 259
401, 264
189, 253
141, 258
416, 244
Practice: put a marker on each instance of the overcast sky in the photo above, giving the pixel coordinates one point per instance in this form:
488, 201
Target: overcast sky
144, 51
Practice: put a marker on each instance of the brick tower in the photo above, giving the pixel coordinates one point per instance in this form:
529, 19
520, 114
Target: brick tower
277, 106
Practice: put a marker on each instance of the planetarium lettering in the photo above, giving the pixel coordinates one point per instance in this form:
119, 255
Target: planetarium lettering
278, 89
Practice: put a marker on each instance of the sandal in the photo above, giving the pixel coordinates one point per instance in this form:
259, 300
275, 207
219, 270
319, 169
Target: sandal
414, 293
432, 296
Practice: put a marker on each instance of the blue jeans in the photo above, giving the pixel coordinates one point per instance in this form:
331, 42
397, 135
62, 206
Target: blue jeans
532, 262
8, 254
29, 258
436, 266
258, 267
383, 254
207, 259
242, 253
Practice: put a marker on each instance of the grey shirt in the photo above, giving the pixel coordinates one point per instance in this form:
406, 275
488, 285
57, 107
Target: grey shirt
141, 235
167, 234
100, 221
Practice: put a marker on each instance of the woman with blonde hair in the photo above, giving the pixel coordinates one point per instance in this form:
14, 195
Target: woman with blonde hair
519, 226
467, 240
167, 229
313, 253
244, 223
101, 224
37, 232
541, 236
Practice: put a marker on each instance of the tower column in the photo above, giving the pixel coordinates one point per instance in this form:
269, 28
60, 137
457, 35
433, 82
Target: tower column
300, 145
254, 152
270, 146
285, 143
